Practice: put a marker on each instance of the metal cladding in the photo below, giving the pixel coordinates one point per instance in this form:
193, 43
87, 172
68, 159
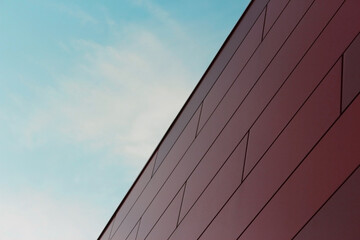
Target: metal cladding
268, 144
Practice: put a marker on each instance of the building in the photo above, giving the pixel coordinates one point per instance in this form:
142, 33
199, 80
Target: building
268, 144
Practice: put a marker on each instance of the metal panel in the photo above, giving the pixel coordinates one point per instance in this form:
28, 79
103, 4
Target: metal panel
279, 162
235, 65
213, 198
339, 218
351, 84
317, 178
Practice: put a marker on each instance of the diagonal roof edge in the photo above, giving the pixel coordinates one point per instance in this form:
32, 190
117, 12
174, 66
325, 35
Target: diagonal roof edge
241, 28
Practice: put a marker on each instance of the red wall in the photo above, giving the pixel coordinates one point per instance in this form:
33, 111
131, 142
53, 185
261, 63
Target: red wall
268, 144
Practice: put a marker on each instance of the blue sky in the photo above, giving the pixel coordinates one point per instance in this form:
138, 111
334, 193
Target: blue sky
87, 90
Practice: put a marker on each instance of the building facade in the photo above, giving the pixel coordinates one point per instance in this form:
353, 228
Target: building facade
268, 144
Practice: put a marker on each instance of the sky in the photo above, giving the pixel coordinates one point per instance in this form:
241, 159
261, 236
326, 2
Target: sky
87, 90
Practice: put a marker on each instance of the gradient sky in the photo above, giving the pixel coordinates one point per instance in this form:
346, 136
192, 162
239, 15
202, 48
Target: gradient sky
87, 90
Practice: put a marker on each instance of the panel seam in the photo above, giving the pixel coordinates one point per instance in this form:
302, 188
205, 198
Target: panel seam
217, 172
247, 143
263, 28
342, 83
198, 122
323, 205
182, 199
270, 62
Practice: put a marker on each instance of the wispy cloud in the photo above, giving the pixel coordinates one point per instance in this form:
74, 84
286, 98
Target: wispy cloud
76, 12
118, 99
38, 215
163, 16
121, 97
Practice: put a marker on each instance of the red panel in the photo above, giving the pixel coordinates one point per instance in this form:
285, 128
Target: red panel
310, 70
159, 178
199, 147
238, 35
284, 63
256, 65
351, 84
240, 124
183, 170
213, 198
157, 207
209, 166
321, 173
167, 223
184, 140
281, 109
275, 74
236, 64
270, 88
242, 118
134, 232
340, 217
274, 8
134, 194
211, 75
293, 144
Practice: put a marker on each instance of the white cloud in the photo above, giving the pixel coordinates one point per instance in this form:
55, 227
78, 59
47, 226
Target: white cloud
164, 17
75, 12
36, 215
119, 97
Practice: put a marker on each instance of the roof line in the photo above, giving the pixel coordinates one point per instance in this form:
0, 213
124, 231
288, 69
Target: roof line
176, 118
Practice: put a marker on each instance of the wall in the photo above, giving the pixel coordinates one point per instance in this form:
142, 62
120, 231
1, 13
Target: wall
267, 146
